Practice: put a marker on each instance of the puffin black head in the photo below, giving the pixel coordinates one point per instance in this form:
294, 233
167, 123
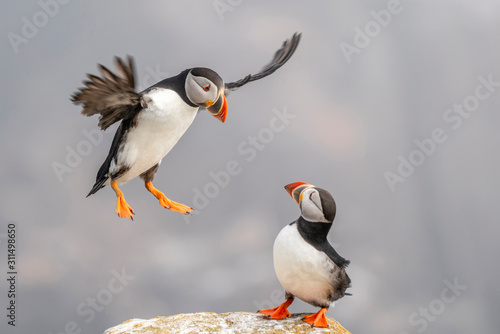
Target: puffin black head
316, 204
205, 88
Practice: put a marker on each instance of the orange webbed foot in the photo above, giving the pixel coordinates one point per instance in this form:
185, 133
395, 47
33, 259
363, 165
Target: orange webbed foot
174, 206
167, 203
123, 209
317, 319
280, 312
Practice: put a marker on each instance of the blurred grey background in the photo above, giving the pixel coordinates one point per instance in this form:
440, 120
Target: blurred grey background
371, 82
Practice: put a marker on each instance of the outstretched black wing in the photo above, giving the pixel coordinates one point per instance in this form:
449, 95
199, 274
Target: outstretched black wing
112, 96
280, 57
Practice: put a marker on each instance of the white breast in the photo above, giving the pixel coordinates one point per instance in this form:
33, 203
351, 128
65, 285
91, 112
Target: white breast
301, 269
158, 129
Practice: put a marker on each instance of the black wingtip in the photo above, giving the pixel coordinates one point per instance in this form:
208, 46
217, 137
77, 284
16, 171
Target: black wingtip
296, 37
279, 59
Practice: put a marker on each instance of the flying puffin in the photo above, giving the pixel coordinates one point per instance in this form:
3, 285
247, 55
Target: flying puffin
153, 121
306, 264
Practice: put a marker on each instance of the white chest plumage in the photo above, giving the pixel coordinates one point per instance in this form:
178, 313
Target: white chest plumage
301, 269
159, 127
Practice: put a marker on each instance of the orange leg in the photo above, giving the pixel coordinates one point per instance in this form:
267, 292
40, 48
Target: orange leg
279, 312
165, 202
317, 319
122, 208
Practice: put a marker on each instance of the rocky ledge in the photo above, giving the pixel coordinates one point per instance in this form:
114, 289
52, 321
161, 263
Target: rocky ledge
234, 322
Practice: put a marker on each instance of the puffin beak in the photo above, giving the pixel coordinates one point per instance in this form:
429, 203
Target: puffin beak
295, 190
219, 108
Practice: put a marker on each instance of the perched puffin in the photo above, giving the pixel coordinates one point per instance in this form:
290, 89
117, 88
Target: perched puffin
306, 264
153, 121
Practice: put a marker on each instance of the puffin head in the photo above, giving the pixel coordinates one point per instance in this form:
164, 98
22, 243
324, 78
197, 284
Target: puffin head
205, 88
316, 204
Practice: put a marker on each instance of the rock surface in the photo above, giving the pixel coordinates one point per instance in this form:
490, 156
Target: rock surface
209, 322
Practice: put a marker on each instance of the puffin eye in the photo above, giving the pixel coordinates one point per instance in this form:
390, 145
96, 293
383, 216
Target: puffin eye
206, 88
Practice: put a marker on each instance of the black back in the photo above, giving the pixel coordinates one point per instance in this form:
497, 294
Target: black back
177, 84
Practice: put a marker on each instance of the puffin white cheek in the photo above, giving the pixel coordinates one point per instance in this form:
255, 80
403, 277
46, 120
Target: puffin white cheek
193, 91
214, 94
211, 95
311, 212
316, 200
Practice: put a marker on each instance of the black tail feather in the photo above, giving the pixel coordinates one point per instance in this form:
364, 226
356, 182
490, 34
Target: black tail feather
98, 185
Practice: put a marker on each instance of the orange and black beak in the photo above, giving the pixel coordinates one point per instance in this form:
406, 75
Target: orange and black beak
219, 108
295, 190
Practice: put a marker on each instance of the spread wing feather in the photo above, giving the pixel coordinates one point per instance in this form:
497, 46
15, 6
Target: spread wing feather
112, 96
280, 57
